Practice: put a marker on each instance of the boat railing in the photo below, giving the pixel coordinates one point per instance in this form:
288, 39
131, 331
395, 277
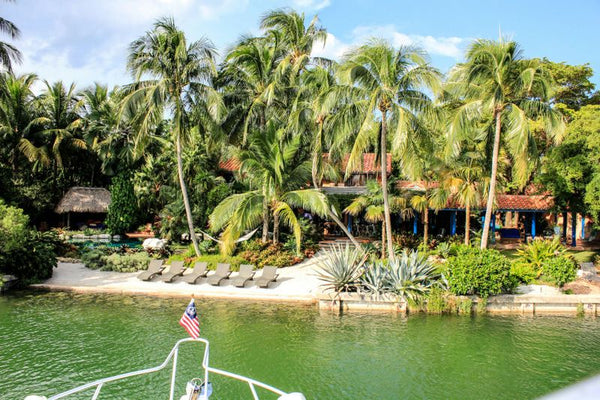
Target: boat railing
99, 384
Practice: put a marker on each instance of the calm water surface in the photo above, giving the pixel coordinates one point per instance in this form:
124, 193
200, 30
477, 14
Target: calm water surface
50, 342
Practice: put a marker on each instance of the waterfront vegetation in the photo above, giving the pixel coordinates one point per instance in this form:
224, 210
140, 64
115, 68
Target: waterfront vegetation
496, 123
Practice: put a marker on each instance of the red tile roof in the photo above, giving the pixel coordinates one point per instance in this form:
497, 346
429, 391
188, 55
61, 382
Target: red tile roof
369, 166
369, 163
231, 165
524, 202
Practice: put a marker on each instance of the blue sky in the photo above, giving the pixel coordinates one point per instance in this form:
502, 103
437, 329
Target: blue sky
86, 40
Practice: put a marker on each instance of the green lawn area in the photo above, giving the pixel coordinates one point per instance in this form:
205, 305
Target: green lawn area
579, 255
584, 256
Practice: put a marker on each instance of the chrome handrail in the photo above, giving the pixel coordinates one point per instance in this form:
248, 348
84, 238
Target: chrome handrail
98, 384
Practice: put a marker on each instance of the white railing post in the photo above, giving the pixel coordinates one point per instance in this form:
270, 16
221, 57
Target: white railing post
253, 391
97, 392
173, 374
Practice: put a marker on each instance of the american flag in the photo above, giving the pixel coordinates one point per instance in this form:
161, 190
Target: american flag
189, 320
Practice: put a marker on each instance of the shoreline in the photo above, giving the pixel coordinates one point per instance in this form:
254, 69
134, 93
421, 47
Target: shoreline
299, 285
173, 294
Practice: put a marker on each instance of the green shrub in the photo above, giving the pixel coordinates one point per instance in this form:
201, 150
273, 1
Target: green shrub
211, 259
92, 258
407, 241
108, 259
27, 254
482, 306
560, 270
207, 247
524, 272
481, 272
123, 211
260, 254
465, 306
538, 252
126, 262
436, 301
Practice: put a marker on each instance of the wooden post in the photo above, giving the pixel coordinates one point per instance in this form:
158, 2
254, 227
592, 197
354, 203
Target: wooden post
564, 226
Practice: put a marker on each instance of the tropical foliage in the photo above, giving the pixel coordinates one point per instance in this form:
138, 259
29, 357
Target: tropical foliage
287, 122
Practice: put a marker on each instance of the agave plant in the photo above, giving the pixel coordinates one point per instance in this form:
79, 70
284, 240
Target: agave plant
340, 268
376, 278
411, 276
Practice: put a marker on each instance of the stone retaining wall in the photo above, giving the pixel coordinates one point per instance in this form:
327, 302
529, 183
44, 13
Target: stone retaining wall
504, 304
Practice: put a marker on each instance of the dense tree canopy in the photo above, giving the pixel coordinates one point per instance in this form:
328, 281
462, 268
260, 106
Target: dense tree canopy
492, 125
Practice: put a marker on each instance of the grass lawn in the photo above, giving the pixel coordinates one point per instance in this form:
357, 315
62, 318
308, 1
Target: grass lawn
579, 255
583, 256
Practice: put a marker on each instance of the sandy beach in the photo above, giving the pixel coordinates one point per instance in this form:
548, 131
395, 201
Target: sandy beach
297, 284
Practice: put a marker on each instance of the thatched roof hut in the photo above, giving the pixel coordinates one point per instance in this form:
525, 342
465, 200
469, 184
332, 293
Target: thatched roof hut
84, 200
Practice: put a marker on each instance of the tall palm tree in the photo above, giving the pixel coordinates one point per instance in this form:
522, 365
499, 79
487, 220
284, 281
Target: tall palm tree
393, 82
249, 82
371, 203
504, 90
168, 71
297, 38
8, 53
276, 172
16, 111
316, 116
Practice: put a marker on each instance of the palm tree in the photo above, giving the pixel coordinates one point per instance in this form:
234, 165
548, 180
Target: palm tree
275, 170
315, 115
168, 72
108, 129
16, 111
8, 53
58, 126
464, 178
297, 38
391, 82
498, 86
371, 203
248, 79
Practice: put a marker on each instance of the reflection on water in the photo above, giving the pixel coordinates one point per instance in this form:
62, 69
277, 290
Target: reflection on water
51, 342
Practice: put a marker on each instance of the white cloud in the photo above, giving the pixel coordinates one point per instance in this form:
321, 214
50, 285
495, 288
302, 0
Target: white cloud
452, 47
333, 49
442, 46
311, 4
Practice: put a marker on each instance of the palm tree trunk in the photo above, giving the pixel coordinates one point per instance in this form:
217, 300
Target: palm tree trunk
491, 195
315, 167
276, 228
265, 227
467, 224
383, 239
186, 200
384, 189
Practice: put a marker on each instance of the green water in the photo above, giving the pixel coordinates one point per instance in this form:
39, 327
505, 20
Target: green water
50, 342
